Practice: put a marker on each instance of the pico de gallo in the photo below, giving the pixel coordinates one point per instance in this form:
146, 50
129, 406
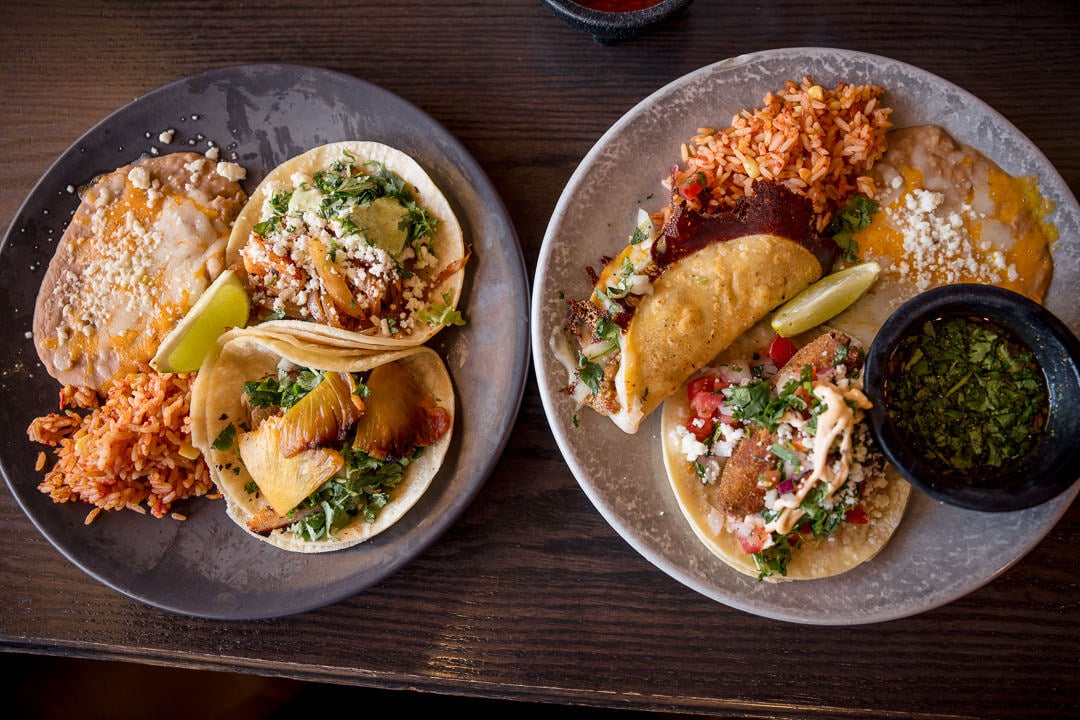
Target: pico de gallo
780, 445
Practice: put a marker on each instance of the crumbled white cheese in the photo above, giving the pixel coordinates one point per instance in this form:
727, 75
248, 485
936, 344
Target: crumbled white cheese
139, 177
196, 166
230, 170
689, 446
937, 245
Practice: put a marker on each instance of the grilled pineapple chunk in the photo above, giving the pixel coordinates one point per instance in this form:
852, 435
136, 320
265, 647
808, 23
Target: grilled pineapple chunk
285, 481
396, 413
322, 417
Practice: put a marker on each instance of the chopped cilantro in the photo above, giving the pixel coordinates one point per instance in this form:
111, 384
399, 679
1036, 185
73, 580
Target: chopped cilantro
854, 217
590, 373
755, 402
821, 520
774, 559
607, 330
361, 489
284, 390
785, 453
225, 439
969, 395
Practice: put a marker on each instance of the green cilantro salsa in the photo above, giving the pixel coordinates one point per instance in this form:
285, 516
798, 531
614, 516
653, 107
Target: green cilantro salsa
967, 395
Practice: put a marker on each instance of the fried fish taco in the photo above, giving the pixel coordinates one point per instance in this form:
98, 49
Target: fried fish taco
671, 301
312, 459
351, 241
772, 463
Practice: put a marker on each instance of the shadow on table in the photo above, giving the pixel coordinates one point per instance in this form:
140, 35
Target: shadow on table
52, 688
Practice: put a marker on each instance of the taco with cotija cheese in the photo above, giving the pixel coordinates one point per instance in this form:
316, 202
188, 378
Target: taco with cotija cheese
351, 242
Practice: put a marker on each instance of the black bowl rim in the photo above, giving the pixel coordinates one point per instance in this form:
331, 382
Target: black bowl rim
613, 25
1050, 468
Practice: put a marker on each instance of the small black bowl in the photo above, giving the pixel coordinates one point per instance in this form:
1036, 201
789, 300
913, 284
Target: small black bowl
609, 25
1052, 465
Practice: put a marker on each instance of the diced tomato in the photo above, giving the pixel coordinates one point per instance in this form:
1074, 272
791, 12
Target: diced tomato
705, 398
702, 428
752, 543
857, 515
693, 187
704, 394
781, 349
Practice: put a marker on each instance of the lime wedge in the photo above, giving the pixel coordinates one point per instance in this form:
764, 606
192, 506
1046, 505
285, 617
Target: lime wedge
825, 299
223, 305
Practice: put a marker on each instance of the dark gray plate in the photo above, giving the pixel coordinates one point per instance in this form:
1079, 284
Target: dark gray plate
261, 115
939, 552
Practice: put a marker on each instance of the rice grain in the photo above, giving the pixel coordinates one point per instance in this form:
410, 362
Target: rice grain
818, 142
131, 451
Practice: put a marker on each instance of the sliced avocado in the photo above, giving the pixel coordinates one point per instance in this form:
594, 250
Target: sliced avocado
304, 200
382, 222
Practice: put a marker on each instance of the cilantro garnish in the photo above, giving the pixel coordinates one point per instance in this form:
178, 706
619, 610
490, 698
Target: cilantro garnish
284, 390
820, 520
854, 217
755, 402
607, 330
441, 313
590, 373
225, 438
362, 489
970, 396
774, 559
785, 453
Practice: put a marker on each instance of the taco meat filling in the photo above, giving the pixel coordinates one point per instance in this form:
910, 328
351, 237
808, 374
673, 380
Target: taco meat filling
595, 326
346, 246
324, 448
780, 448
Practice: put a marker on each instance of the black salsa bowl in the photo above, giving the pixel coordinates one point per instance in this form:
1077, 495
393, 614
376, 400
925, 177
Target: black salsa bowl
609, 25
1050, 466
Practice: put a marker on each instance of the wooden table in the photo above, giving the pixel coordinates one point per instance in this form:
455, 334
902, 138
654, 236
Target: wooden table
532, 596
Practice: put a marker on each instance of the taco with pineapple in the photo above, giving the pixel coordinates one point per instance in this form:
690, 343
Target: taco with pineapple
771, 460
351, 242
316, 451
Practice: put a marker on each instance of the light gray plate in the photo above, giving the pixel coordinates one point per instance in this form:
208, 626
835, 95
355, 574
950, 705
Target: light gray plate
939, 553
261, 115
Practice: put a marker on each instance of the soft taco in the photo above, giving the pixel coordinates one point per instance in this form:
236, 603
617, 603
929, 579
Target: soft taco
672, 300
314, 458
351, 241
772, 463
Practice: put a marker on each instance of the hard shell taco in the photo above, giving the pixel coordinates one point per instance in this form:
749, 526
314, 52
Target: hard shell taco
673, 299
772, 464
313, 458
351, 241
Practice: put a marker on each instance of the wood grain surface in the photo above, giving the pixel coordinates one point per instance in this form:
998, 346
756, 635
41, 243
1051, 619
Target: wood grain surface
532, 596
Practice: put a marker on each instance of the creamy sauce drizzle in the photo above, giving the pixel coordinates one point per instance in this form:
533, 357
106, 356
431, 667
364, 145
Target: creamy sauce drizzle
837, 422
